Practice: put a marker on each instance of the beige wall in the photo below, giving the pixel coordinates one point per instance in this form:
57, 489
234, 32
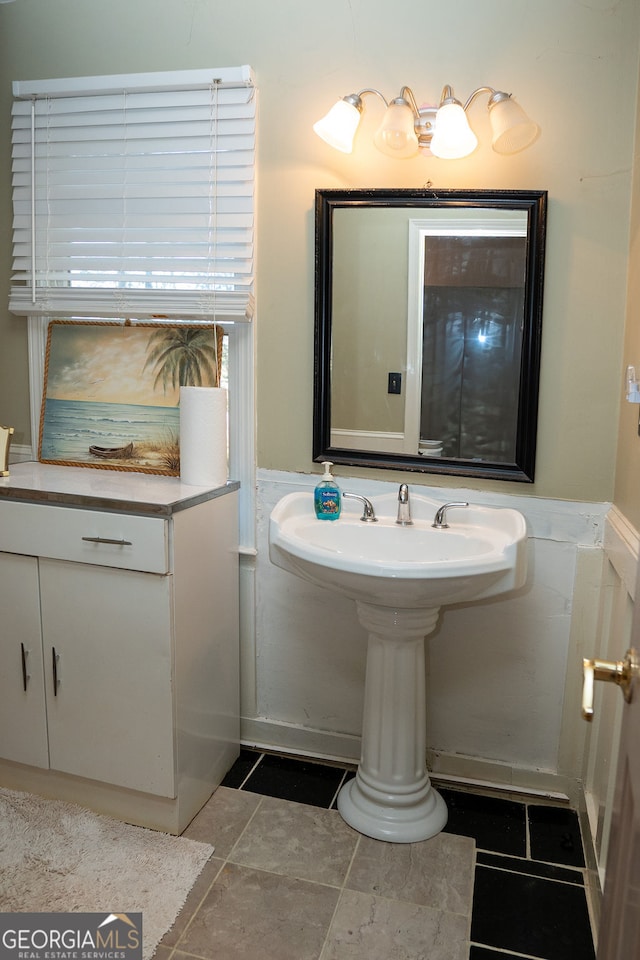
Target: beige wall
369, 319
572, 66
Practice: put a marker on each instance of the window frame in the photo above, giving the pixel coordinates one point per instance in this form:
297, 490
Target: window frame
238, 325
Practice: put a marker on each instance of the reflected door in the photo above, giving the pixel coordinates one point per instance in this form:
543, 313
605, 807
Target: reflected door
472, 345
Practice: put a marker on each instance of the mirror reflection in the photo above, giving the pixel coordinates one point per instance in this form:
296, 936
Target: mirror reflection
428, 315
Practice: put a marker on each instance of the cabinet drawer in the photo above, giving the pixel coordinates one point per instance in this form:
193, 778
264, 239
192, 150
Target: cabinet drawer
85, 536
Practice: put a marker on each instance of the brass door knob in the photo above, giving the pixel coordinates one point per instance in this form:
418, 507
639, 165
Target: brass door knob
621, 672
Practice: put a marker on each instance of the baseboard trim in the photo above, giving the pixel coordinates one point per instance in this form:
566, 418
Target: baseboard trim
168, 814
285, 737
262, 733
493, 775
592, 875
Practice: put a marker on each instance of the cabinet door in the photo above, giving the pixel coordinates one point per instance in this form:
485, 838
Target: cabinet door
109, 696
23, 726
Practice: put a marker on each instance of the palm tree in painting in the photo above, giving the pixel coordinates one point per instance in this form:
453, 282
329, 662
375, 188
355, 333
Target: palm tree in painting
185, 356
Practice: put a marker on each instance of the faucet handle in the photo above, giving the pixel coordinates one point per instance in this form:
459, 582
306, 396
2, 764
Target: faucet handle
440, 519
368, 513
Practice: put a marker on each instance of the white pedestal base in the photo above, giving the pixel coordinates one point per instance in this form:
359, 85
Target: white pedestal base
391, 797
421, 819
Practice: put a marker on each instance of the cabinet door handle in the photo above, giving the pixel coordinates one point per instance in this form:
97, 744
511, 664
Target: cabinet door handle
119, 543
56, 682
25, 676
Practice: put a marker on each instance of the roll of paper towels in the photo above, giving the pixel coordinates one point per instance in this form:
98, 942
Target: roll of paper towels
203, 436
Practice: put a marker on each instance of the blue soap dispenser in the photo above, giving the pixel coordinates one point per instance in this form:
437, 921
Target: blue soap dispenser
326, 496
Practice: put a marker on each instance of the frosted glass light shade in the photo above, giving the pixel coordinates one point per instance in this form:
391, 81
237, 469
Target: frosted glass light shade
396, 136
453, 138
338, 127
511, 127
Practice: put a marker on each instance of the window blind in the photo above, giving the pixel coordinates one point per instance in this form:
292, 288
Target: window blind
134, 195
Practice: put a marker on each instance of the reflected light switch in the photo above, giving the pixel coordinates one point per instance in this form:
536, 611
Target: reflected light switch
395, 383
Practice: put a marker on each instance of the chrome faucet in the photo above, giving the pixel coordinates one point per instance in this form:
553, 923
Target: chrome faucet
368, 513
404, 507
440, 519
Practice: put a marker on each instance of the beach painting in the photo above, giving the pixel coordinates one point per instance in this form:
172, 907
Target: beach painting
111, 392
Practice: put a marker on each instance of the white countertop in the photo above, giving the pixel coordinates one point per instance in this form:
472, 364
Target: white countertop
92, 488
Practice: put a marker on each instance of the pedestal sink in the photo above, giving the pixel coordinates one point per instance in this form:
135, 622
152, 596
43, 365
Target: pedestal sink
399, 577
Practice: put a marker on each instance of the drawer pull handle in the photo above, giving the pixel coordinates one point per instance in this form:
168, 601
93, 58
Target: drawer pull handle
118, 543
56, 682
25, 676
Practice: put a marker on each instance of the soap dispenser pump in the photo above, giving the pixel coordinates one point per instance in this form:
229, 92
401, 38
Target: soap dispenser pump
326, 496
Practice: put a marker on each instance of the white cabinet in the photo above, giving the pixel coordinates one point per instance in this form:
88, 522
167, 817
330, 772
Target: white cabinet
119, 651
90, 692
23, 725
110, 695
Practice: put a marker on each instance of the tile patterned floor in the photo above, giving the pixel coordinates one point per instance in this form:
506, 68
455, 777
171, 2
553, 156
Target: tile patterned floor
289, 880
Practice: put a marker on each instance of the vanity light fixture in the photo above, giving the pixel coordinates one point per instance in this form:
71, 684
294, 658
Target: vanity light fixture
443, 131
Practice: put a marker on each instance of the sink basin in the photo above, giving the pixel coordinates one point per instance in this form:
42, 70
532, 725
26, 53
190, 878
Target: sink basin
483, 553
399, 577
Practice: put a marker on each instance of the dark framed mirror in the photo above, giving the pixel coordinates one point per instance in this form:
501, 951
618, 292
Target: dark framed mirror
428, 323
